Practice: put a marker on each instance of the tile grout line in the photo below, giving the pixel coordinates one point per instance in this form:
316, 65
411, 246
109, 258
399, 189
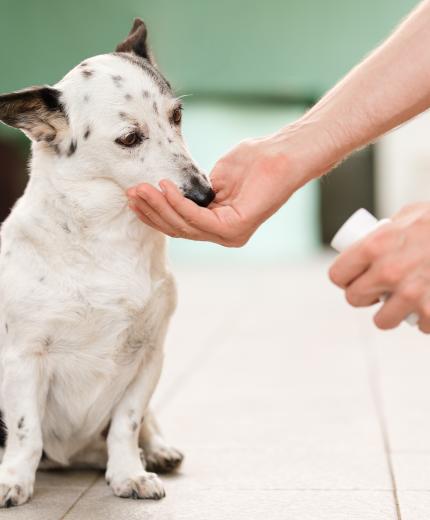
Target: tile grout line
373, 375
81, 495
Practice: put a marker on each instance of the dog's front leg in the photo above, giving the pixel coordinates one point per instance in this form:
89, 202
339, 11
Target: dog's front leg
23, 398
125, 471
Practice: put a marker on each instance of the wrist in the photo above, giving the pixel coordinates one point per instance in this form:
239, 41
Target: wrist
313, 148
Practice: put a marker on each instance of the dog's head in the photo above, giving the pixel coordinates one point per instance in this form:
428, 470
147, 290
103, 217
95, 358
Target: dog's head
113, 116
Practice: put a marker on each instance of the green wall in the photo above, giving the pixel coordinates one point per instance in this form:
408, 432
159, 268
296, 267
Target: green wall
273, 48
270, 46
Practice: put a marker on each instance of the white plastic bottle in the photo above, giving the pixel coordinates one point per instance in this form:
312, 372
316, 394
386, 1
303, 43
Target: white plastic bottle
360, 224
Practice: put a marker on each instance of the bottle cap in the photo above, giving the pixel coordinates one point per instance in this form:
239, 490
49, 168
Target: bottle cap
356, 227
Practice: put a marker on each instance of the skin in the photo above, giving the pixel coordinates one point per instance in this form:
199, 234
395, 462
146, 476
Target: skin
258, 176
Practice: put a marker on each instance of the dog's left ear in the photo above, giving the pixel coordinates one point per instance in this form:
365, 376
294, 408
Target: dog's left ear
136, 41
37, 111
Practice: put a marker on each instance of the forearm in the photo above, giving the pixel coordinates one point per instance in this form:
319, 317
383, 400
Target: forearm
389, 87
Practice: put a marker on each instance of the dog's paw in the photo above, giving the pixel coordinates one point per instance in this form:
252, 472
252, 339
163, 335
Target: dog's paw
144, 485
14, 490
163, 459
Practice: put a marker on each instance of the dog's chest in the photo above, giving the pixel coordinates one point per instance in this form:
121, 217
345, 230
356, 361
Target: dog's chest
124, 309
116, 341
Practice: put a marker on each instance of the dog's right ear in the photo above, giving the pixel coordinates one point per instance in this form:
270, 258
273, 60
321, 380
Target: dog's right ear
37, 111
136, 41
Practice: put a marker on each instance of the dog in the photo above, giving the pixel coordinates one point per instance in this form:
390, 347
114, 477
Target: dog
85, 292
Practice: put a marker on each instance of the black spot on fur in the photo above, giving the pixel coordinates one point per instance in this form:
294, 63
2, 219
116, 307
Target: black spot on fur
159, 143
155, 107
170, 141
128, 97
3, 431
65, 227
134, 426
87, 133
117, 79
21, 423
57, 150
6, 328
72, 148
86, 98
84, 64
87, 73
41, 279
47, 341
145, 94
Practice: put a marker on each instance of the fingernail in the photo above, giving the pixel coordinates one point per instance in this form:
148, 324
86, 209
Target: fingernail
162, 187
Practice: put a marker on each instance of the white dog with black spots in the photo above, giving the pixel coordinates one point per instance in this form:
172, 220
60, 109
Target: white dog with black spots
85, 293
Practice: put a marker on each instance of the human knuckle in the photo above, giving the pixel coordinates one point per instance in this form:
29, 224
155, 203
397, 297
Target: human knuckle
352, 297
189, 220
424, 219
235, 242
390, 273
372, 246
410, 293
242, 239
424, 310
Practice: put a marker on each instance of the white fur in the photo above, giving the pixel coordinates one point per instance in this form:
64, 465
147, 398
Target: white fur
85, 293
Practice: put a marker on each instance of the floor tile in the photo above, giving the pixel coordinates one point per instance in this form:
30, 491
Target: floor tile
414, 505
215, 504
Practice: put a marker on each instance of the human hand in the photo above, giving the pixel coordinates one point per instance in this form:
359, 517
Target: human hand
251, 182
393, 260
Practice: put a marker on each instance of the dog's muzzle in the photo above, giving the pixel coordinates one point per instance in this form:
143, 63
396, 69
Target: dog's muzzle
200, 194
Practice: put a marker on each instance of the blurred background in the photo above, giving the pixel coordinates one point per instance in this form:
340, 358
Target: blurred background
247, 69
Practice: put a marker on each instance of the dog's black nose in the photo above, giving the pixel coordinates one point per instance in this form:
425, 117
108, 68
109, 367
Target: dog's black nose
202, 196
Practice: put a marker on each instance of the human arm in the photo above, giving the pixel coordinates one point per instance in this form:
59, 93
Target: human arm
258, 176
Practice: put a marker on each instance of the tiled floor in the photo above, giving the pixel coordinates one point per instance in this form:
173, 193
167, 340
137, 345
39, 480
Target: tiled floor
289, 405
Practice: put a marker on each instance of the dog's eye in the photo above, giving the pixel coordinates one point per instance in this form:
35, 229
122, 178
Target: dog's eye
177, 115
131, 139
